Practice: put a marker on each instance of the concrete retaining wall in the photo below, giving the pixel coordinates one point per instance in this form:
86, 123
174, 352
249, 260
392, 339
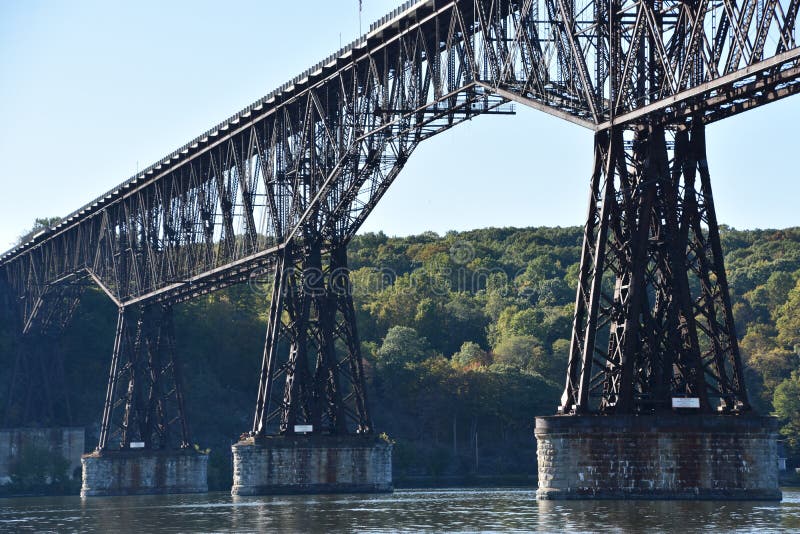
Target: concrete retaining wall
311, 464
65, 441
133, 472
657, 457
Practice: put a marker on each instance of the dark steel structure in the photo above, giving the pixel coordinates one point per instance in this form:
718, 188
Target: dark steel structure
284, 184
37, 386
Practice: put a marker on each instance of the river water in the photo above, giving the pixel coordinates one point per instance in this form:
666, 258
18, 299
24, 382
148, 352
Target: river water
448, 510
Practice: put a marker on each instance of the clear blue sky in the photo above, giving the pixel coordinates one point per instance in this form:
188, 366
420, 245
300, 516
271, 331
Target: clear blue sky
91, 89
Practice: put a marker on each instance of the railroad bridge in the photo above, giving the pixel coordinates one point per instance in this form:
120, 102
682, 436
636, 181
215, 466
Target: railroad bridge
285, 183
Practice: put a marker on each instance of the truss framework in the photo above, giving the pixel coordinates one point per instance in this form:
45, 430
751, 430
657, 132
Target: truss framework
312, 372
653, 316
332, 140
297, 172
144, 400
37, 391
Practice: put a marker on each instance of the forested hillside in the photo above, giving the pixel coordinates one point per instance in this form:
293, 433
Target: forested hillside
465, 338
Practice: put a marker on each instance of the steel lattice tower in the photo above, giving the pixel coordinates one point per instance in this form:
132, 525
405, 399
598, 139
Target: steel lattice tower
284, 184
653, 315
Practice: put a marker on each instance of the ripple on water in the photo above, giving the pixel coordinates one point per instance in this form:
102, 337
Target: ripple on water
441, 510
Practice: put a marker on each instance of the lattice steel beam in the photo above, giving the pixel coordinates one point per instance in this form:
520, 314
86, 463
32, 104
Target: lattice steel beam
312, 373
331, 141
653, 316
291, 178
144, 399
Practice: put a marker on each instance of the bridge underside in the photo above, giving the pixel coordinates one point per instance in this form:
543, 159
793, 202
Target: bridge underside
314, 157
282, 187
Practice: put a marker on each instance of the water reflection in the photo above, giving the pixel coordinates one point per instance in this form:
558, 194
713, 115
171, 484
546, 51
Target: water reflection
457, 510
678, 516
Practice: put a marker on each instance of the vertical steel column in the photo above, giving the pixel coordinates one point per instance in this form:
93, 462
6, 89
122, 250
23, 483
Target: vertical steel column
312, 316
168, 338
587, 301
730, 372
327, 411
37, 390
270, 362
144, 399
108, 405
133, 408
298, 389
340, 291
645, 234
691, 378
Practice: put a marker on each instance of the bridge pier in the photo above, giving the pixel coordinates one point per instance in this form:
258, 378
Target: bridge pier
710, 457
312, 432
655, 404
144, 437
311, 464
134, 472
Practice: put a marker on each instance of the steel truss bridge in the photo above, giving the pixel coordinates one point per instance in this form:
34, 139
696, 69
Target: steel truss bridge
285, 183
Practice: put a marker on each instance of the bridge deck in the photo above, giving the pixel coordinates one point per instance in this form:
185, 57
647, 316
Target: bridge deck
311, 159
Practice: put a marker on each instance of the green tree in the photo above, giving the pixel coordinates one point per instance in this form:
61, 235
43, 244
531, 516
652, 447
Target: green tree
39, 469
402, 345
787, 408
470, 355
416, 298
521, 351
772, 363
38, 225
788, 320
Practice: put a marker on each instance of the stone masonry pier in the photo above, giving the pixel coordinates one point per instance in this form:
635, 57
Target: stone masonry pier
311, 464
657, 457
143, 472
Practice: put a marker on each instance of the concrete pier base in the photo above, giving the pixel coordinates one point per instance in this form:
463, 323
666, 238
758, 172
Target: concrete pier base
311, 464
657, 457
140, 472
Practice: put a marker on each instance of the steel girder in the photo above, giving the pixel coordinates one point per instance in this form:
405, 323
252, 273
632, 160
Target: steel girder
326, 148
312, 373
333, 139
301, 169
144, 400
37, 387
653, 315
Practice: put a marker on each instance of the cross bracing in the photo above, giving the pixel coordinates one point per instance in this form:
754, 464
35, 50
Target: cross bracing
321, 149
289, 180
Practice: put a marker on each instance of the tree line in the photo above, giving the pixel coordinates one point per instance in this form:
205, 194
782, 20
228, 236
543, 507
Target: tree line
465, 338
